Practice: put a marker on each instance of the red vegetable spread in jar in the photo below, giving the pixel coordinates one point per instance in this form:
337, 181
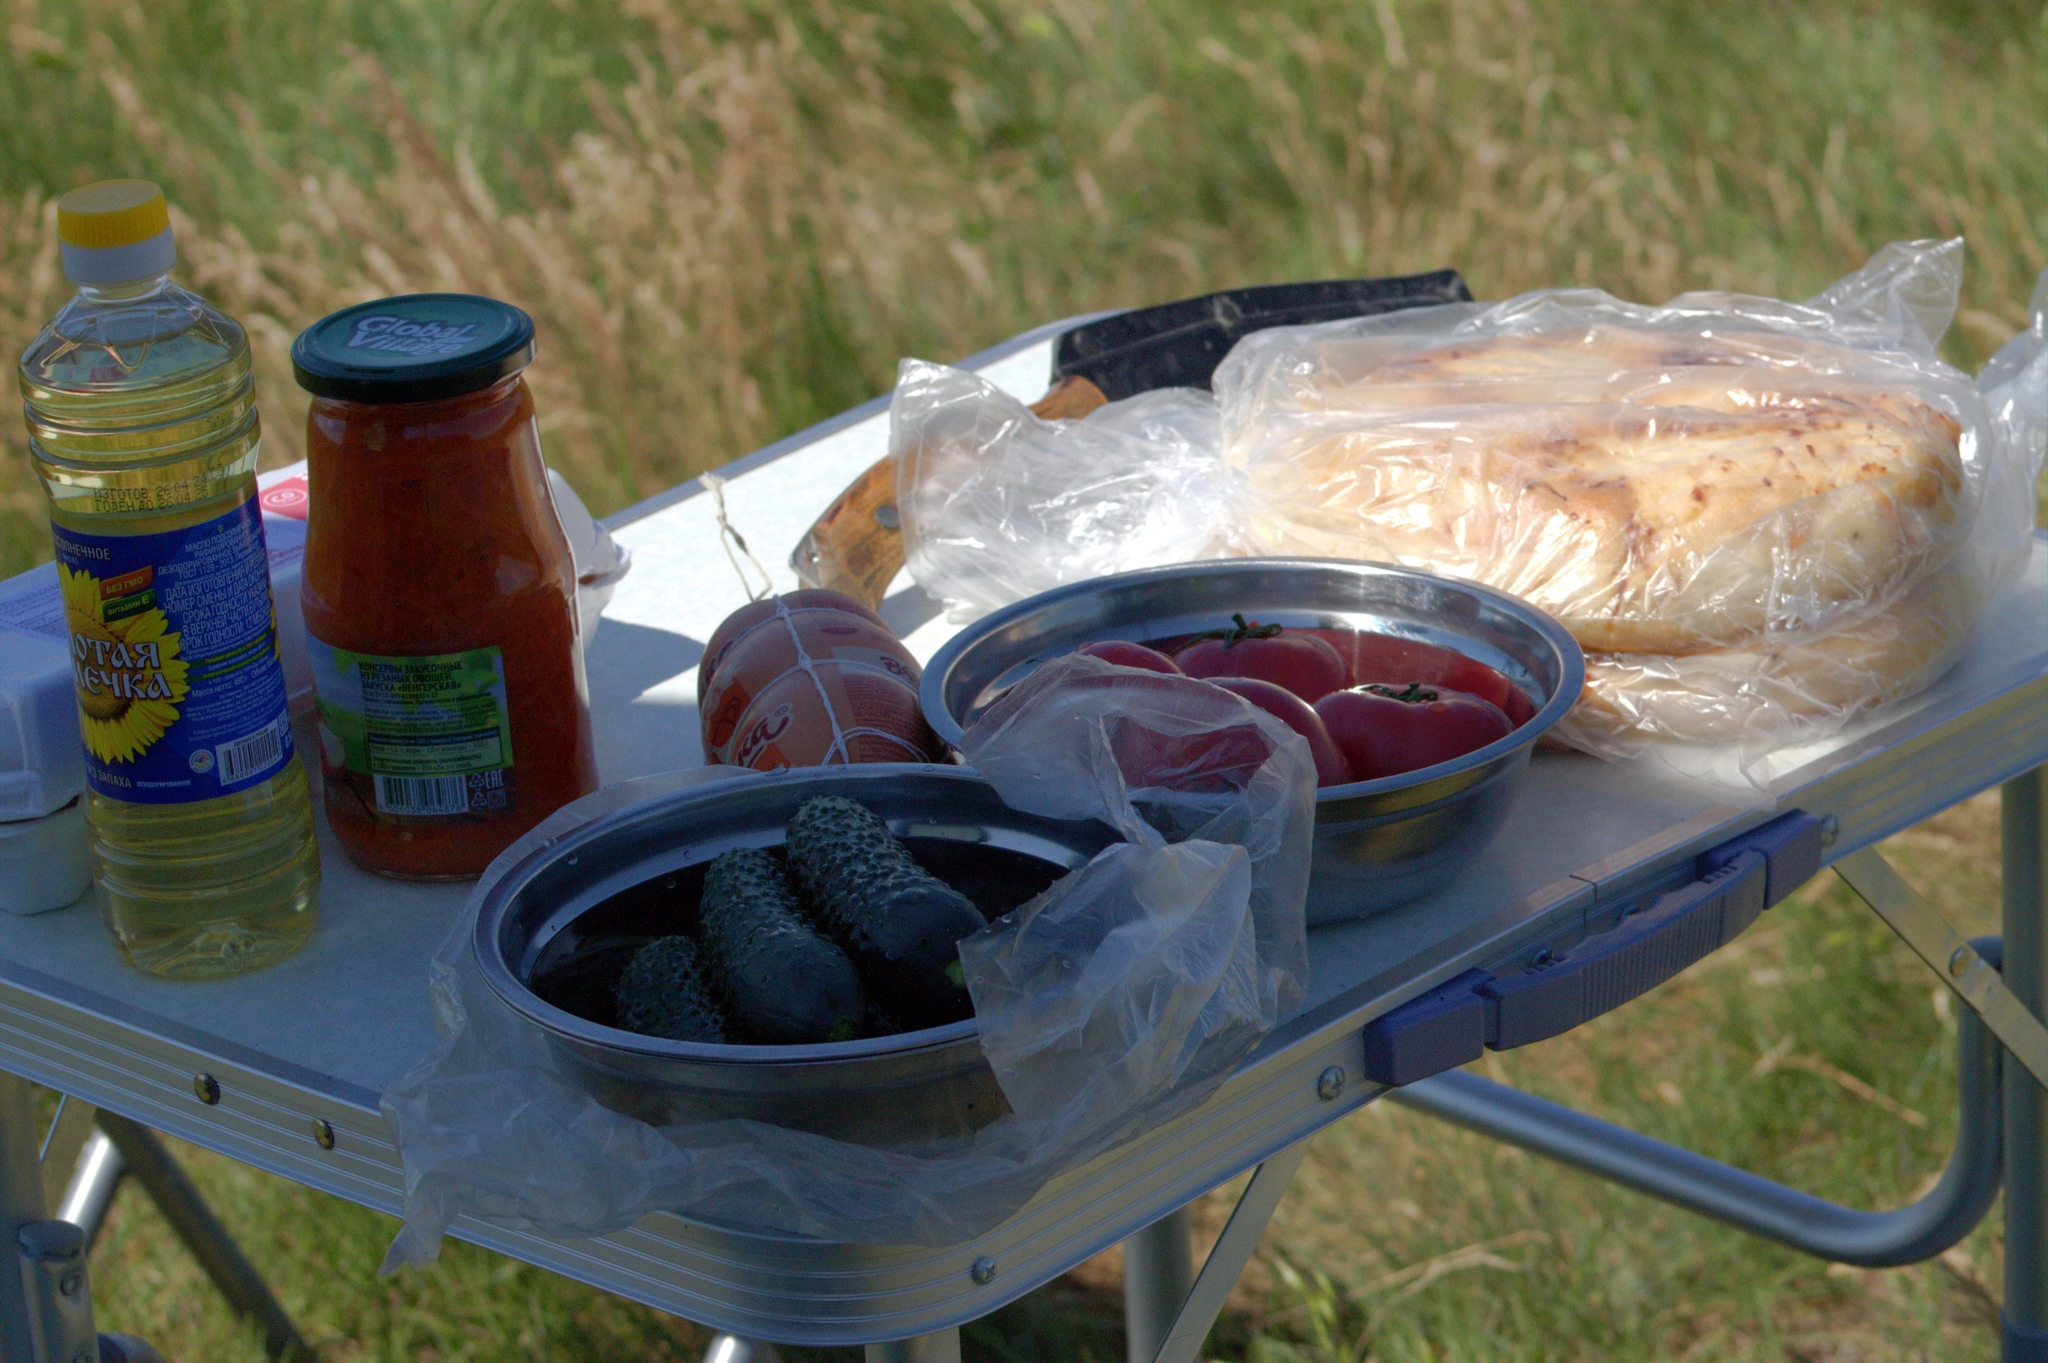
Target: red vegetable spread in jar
438, 588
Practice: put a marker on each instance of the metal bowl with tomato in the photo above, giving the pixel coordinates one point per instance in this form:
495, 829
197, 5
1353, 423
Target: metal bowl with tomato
1380, 841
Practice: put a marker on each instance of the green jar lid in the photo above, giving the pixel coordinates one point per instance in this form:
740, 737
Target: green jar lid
419, 348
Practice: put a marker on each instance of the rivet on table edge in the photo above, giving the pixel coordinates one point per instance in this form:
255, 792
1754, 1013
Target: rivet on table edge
1330, 1083
984, 1270
887, 517
323, 1134
206, 1089
1959, 961
1830, 829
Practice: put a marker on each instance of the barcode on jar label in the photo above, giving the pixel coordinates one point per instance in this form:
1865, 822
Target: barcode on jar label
422, 795
250, 755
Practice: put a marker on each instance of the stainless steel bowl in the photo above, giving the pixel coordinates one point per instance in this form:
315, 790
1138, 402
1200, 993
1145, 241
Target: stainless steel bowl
556, 930
1378, 843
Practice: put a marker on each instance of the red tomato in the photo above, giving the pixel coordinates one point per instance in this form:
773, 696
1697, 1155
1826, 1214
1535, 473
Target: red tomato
1294, 712
1519, 708
1217, 760
1123, 653
1386, 730
1298, 662
1383, 655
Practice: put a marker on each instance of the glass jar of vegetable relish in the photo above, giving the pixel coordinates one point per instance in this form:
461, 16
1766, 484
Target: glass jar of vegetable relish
438, 588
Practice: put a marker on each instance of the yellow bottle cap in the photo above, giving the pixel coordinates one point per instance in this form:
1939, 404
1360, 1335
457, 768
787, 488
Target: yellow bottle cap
112, 213
115, 232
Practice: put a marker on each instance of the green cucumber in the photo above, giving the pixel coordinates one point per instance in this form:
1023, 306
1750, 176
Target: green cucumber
785, 984
662, 993
897, 920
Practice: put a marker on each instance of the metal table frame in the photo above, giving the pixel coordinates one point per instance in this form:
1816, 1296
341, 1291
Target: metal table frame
1987, 724
1999, 1132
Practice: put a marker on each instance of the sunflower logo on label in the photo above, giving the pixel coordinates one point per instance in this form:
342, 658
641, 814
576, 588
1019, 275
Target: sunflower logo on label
124, 661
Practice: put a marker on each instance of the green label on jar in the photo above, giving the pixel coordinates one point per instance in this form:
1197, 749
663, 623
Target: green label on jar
430, 732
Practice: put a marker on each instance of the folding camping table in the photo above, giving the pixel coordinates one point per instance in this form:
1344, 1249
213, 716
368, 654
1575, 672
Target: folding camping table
282, 1069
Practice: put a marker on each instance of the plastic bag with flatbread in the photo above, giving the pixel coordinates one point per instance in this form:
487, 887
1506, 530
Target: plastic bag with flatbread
1759, 518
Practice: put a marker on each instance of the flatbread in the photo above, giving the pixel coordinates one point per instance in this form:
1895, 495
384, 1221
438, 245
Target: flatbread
1771, 693
1662, 494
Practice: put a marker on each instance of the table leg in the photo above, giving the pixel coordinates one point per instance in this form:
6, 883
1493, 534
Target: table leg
21, 1204
943, 1347
1159, 1268
727, 1348
2024, 853
205, 1238
1232, 1251
94, 1180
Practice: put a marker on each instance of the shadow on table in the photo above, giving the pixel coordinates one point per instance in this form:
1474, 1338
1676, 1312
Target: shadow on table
633, 659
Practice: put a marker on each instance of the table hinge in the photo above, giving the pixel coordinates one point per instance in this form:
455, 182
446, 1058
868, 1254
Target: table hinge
1950, 956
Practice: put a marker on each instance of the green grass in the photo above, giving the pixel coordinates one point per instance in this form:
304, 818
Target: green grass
1582, 1270
730, 218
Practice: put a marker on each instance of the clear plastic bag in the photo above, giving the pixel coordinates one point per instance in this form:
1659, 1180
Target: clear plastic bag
998, 504
1120, 997
1760, 518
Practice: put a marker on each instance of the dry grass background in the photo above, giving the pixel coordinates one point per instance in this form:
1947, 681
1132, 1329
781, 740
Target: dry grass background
731, 217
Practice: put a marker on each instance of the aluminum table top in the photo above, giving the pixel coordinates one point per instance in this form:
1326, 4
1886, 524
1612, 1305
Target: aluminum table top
318, 1037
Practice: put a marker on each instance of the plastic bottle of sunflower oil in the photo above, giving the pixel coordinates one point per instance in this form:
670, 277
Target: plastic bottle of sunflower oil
142, 425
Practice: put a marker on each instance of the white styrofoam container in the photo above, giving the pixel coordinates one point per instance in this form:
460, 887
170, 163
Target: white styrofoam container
42, 761
45, 863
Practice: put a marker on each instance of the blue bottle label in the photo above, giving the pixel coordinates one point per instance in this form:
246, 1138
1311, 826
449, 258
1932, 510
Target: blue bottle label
174, 654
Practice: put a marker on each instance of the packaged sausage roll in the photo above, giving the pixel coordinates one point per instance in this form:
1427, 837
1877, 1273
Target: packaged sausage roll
812, 686
788, 638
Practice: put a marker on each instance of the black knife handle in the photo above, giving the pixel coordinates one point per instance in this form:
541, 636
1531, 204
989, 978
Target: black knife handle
1179, 345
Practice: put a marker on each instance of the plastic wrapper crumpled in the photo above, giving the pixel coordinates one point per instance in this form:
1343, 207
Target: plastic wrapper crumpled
1760, 518
1119, 998
998, 504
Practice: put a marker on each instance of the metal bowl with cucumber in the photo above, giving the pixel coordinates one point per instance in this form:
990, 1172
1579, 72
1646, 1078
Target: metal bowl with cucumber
1378, 843
554, 934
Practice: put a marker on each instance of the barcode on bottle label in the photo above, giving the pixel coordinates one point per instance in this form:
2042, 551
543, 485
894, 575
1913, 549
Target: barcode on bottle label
422, 795
250, 755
